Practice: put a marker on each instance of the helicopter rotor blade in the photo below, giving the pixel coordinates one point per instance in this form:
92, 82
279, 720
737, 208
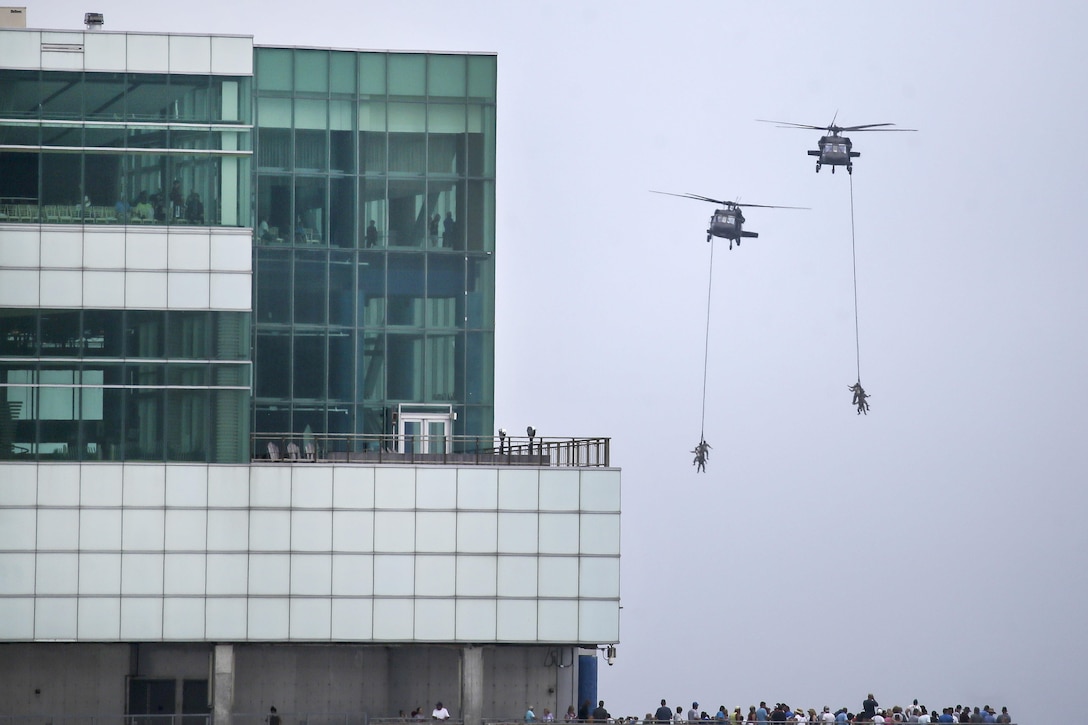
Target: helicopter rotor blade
773, 206
790, 124
697, 197
874, 127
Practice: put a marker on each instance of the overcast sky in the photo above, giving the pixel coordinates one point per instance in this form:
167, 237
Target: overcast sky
935, 548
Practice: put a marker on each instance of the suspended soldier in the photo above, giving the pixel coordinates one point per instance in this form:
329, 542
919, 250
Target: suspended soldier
702, 452
861, 398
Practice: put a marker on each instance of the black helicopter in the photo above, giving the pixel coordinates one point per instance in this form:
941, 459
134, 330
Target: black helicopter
836, 149
728, 222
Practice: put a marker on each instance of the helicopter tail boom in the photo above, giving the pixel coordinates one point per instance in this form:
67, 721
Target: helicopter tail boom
749, 234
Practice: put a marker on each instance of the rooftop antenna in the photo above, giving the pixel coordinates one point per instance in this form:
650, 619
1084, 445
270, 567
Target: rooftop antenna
93, 21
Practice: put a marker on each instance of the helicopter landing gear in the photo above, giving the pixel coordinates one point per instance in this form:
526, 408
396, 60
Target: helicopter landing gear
817, 167
850, 169
708, 238
832, 169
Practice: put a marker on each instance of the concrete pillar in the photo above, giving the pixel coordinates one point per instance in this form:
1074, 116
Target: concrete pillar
223, 667
472, 685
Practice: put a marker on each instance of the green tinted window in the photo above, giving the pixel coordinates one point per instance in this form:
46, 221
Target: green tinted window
481, 76
406, 74
312, 71
273, 69
372, 74
446, 75
342, 72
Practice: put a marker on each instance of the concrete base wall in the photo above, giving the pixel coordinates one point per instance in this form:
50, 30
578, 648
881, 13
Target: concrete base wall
46, 679
301, 681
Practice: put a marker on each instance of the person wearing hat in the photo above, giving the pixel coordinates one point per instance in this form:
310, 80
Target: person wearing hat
530, 716
693, 713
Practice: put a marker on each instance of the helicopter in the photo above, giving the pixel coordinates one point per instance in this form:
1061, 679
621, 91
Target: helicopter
836, 149
728, 221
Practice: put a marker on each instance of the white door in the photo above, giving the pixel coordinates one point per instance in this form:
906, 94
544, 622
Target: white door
425, 432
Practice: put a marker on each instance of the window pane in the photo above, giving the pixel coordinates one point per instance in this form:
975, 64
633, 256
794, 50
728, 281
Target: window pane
481, 76
371, 383
21, 93
480, 293
372, 73
309, 288
62, 334
144, 334
446, 140
479, 368
18, 332
342, 212
341, 366
445, 289
406, 290
312, 71
273, 72
446, 75
61, 95
342, 72
273, 280
406, 74
342, 136
481, 141
372, 125
407, 145
311, 211
342, 289
408, 221
311, 123
272, 368
103, 333
405, 367
480, 216
187, 424
371, 289
273, 210
373, 219
309, 366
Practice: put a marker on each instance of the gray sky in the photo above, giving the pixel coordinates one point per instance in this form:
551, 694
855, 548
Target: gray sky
934, 549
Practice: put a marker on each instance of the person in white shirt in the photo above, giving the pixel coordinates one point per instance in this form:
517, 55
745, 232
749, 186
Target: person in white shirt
440, 713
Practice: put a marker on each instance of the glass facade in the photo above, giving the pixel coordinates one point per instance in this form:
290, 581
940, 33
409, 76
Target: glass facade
144, 385
369, 181
124, 148
374, 240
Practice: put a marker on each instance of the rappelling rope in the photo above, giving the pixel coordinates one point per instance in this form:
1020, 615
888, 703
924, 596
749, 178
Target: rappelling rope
854, 258
706, 343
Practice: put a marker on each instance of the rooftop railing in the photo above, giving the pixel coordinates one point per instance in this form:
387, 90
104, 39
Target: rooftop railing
431, 449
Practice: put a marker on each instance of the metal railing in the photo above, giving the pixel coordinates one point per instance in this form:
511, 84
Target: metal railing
431, 449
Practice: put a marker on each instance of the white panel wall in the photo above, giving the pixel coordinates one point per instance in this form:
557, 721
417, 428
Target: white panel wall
309, 552
125, 268
103, 50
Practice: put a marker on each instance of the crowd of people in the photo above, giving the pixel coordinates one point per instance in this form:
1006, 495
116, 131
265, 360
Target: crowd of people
162, 208
870, 712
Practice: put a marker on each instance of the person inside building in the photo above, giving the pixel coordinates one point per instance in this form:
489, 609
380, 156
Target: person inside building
440, 713
372, 234
194, 209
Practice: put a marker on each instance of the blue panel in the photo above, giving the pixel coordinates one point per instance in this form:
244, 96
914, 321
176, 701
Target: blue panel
587, 680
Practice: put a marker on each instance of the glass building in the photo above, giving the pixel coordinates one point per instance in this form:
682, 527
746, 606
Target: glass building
373, 263
209, 250
368, 202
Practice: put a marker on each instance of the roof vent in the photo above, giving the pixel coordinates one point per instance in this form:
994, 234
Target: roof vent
93, 21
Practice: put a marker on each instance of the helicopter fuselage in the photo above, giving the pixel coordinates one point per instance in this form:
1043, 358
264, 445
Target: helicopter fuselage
728, 224
835, 150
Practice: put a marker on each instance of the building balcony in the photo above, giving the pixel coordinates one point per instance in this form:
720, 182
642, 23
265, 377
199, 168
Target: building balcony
422, 449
